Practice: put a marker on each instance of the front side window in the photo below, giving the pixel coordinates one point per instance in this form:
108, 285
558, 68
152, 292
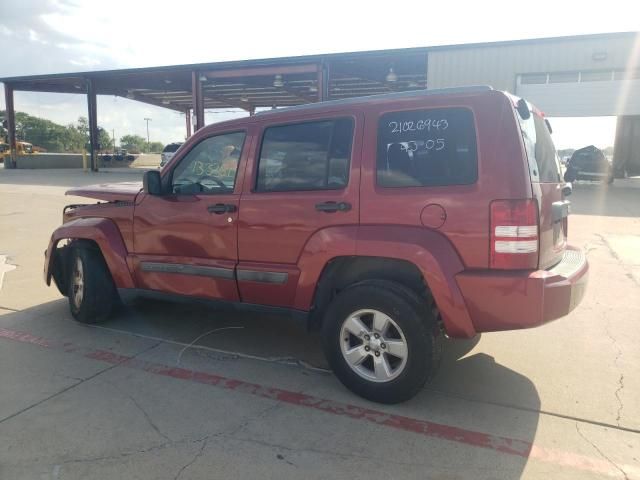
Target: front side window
210, 166
427, 148
305, 156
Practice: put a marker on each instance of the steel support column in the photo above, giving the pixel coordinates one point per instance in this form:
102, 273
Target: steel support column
626, 146
198, 100
323, 82
187, 117
10, 161
94, 138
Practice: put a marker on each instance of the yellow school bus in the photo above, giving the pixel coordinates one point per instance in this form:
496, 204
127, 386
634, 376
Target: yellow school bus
22, 148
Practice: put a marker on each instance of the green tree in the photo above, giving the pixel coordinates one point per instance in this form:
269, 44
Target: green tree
72, 138
82, 126
42, 133
105, 140
134, 143
156, 147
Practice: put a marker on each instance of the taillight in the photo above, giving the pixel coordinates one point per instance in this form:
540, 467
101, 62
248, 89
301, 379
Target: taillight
514, 234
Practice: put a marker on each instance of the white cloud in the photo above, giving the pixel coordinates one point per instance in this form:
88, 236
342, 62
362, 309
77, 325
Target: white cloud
49, 36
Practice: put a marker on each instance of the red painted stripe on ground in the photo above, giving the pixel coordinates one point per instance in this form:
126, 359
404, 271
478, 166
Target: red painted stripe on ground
440, 431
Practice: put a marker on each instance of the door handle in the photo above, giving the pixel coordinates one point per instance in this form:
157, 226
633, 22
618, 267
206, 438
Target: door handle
220, 208
331, 207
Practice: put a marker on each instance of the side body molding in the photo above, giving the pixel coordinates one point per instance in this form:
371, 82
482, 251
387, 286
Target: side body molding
106, 234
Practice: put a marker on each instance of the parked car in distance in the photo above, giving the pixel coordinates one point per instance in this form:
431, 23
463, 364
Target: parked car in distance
386, 222
589, 163
168, 152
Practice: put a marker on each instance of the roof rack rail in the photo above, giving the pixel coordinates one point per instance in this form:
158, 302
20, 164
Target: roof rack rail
383, 96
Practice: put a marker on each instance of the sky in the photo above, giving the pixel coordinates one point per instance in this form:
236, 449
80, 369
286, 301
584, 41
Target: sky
54, 36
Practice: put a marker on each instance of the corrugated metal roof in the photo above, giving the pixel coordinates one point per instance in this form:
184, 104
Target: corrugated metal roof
351, 74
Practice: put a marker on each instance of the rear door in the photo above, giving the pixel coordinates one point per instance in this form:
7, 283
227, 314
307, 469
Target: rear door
547, 184
304, 177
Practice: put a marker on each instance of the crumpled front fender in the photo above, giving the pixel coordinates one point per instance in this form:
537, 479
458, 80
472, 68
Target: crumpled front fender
105, 234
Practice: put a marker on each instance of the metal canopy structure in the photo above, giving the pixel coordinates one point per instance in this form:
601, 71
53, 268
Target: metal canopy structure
248, 84
245, 85
289, 81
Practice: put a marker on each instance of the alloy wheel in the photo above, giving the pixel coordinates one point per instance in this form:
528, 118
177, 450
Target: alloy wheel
373, 345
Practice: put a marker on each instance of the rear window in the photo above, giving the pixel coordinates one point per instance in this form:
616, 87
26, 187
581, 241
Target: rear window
171, 148
544, 164
427, 148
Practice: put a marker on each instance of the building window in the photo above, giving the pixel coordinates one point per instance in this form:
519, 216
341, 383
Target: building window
598, 76
564, 77
533, 78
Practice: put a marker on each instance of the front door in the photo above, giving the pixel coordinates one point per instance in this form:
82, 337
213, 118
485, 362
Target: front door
185, 241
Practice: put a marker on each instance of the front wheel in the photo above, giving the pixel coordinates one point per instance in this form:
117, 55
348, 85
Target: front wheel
91, 291
381, 341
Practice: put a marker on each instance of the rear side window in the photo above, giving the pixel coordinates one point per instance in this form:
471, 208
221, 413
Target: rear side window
541, 152
427, 148
306, 156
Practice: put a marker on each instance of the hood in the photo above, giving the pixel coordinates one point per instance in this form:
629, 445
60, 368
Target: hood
111, 192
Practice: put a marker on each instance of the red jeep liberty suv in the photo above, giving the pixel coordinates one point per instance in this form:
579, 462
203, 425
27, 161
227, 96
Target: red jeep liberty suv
387, 222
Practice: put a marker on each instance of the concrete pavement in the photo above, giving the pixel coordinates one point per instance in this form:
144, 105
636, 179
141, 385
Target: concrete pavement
251, 398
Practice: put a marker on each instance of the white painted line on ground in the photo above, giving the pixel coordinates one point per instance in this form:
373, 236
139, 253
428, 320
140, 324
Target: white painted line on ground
4, 268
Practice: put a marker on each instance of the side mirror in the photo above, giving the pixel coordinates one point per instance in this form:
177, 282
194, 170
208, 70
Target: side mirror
567, 189
151, 183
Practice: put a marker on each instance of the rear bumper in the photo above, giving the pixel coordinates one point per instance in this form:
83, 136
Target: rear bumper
592, 176
512, 300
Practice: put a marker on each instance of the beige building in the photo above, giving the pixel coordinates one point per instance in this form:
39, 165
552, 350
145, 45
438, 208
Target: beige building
567, 76
582, 76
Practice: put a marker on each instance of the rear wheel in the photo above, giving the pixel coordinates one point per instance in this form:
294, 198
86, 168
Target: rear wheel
381, 341
91, 291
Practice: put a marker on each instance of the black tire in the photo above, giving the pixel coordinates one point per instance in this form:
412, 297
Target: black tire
610, 180
413, 315
456, 348
99, 295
